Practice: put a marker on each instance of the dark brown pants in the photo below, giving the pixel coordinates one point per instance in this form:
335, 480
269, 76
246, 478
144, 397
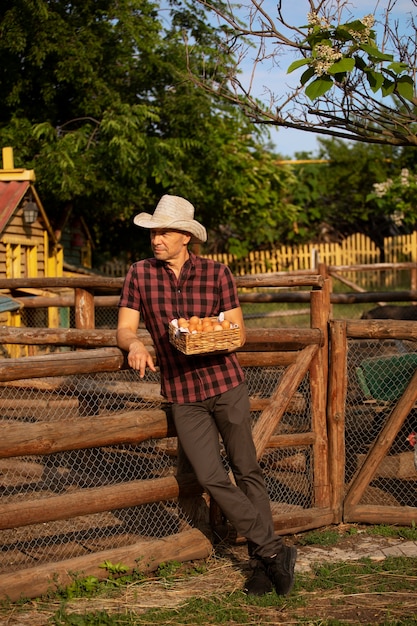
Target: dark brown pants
246, 504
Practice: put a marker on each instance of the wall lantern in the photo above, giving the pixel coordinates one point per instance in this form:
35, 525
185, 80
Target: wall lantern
30, 212
77, 240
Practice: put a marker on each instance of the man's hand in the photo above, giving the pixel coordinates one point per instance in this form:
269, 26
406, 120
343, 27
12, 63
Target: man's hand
138, 358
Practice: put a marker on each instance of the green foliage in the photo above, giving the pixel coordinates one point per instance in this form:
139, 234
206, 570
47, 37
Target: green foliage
335, 197
80, 587
96, 98
397, 197
338, 53
114, 568
168, 570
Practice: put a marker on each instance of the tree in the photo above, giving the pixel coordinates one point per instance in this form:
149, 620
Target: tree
349, 87
354, 187
96, 99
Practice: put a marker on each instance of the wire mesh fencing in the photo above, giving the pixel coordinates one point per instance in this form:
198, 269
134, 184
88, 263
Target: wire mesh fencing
378, 374
67, 400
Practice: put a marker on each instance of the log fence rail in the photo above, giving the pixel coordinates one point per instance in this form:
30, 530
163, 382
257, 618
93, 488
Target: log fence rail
300, 423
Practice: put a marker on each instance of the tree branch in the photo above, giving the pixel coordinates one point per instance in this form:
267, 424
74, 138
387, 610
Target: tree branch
349, 110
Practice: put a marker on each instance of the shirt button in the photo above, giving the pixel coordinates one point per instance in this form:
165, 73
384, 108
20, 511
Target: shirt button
179, 291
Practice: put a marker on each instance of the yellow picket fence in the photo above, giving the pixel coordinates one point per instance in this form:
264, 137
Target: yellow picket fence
357, 249
354, 250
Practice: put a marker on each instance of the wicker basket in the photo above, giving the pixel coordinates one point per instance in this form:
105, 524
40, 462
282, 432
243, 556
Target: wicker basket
198, 343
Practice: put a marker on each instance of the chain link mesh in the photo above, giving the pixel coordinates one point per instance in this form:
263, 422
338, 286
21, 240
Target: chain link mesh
378, 373
42, 477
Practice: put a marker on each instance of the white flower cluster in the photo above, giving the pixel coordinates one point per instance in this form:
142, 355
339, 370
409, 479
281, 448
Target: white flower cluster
368, 20
397, 217
325, 57
381, 189
405, 177
362, 36
314, 19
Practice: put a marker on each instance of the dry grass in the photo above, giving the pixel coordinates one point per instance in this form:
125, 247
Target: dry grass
339, 593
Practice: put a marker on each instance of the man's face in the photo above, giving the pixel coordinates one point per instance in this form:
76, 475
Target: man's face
168, 244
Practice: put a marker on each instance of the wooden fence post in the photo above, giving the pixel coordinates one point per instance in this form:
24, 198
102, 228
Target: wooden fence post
84, 308
320, 313
336, 415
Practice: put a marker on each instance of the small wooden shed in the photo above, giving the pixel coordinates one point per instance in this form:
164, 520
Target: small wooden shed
28, 245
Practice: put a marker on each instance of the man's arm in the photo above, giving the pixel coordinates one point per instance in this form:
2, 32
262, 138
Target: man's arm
235, 316
138, 356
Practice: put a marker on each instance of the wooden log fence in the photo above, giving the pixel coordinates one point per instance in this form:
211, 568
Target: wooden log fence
97, 353
319, 352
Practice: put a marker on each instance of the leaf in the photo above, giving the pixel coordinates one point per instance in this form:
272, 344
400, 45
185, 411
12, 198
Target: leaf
398, 67
342, 34
360, 63
307, 75
296, 64
343, 65
375, 80
318, 87
375, 54
388, 87
405, 87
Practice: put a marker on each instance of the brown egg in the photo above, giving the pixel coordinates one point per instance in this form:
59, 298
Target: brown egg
182, 322
225, 324
217, 327
194, 319
207, 327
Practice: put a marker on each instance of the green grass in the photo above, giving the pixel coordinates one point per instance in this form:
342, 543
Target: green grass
329, 594
343, 580
403, 532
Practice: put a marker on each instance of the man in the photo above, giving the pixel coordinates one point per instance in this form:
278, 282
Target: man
207, 392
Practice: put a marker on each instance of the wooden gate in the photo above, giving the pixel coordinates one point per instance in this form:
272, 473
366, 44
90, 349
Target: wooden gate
381, 488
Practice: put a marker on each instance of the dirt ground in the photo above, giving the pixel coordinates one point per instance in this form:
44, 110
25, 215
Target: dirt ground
226, 572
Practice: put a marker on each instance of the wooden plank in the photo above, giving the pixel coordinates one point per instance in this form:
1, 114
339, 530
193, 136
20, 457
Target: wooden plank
269, 279
270, 339
375, 514
273, 339
320, 313
83, 362
84, 308
106, 282
301, 520
382, 329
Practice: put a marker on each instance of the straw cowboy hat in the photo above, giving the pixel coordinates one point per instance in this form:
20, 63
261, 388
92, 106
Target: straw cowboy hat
176, 213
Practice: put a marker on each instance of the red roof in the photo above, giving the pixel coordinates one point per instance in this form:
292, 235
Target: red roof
11, 193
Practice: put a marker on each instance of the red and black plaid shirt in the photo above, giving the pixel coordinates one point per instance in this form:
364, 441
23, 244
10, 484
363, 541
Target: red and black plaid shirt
204, 288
